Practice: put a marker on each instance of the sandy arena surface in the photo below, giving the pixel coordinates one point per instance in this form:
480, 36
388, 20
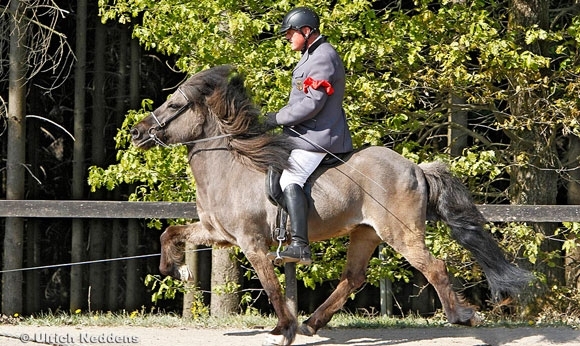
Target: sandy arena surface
19, 335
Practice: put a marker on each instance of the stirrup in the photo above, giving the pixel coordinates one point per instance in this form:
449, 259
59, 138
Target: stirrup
292, 254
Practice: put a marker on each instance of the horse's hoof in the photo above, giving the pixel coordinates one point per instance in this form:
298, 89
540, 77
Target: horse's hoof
306, 330
184, 273
275, 340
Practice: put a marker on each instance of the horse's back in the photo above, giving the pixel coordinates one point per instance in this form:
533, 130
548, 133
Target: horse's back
373, 184
388, 171
377, 167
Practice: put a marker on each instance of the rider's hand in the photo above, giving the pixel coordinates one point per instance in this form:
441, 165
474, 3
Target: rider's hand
270, 122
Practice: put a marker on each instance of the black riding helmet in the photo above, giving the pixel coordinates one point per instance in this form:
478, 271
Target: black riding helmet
298, 18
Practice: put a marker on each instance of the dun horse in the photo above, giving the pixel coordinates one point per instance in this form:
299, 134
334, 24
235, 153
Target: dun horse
376, 196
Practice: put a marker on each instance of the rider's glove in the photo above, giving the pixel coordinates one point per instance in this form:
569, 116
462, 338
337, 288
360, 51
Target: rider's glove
270, 122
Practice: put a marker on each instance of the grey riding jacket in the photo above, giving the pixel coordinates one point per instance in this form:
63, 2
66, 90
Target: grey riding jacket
314, 110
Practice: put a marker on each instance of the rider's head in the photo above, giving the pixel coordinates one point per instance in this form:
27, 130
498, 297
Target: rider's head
301, 27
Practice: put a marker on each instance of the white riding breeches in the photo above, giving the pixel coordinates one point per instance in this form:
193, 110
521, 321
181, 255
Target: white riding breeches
302, 164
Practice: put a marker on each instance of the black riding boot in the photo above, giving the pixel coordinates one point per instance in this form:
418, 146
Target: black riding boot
297, 206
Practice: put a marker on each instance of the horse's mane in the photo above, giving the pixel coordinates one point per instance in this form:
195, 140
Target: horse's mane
222, 88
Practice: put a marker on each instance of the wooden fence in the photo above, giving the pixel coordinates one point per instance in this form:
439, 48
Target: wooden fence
97, 209
172, 210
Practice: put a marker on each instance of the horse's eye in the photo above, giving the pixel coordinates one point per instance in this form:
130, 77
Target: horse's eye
174, 106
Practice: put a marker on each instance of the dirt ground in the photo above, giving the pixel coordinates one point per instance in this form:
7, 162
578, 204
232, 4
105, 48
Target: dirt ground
140, 336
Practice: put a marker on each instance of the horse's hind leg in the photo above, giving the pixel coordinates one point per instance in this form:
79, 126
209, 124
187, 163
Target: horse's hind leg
410, 242
436, 273
363, 241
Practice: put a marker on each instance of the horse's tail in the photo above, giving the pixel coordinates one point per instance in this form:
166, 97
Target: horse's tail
450, 201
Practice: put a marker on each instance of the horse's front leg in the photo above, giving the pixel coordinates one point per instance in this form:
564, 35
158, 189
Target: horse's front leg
285, 330
173, 247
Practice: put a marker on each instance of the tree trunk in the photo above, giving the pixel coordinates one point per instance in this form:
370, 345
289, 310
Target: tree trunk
33, 247
533, 179
33, 293
456, 136
97, 231
573, 197
132, 278
120, 108
530, 184
131, 297
114, 277
77, 298
224, 272
14, 230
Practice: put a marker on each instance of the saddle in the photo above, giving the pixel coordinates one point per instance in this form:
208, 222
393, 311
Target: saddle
276, 195
273, 189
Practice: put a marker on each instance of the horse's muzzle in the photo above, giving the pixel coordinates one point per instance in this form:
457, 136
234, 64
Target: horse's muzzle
135, 134
140, 139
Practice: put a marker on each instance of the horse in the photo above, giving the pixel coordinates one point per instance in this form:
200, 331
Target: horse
373, 197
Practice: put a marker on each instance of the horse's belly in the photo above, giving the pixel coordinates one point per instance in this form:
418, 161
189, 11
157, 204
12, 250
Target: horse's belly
332, 223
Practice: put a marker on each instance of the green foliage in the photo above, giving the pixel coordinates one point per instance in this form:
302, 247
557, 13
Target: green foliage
561, 305
163, 173
401, 66
572, 238
228, 288
168, 288
389, 264
158, 174
402, 69
328, 263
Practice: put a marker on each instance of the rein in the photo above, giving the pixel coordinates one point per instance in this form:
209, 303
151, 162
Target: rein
193, 152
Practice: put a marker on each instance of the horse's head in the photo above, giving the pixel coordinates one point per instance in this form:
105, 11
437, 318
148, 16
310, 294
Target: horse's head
214, 104
186, 115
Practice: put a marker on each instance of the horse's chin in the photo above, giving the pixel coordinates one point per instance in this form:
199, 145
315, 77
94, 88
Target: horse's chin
143, 144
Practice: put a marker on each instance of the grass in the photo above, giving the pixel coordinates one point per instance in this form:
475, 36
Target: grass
139, 318
251, 321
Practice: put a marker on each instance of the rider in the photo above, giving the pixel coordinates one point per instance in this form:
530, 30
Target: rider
313, 118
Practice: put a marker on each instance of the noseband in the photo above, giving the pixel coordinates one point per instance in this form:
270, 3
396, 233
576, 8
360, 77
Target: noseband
154, 130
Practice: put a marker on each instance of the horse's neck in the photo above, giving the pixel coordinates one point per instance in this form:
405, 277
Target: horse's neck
208, 164
215, 169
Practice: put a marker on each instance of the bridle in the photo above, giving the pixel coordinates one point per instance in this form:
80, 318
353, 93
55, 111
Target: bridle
154, 130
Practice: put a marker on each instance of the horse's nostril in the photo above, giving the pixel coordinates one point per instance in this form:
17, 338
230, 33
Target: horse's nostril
135, 134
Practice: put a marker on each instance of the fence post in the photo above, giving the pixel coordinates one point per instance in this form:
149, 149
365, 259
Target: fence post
191, 261
291, 287
386, 290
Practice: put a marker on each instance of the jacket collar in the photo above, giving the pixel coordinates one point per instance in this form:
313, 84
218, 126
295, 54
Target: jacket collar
316, 43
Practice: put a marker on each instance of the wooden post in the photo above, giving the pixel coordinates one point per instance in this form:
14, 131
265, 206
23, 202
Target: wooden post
189, 297
386, 291
291, 287
386, 288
